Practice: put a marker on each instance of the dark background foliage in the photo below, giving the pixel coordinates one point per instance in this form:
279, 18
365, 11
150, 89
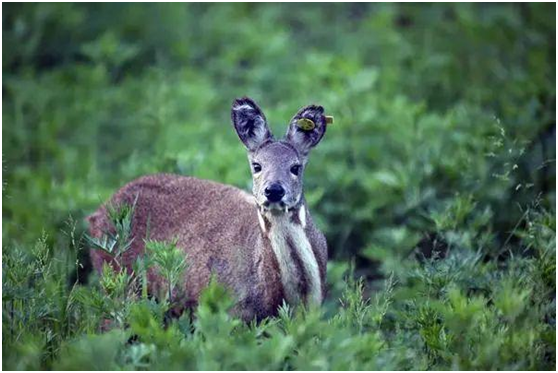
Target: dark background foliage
437, 180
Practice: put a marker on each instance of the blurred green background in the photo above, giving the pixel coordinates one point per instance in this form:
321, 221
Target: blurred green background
439, 170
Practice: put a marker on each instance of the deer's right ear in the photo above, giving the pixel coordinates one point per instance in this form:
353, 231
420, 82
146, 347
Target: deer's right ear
250, 123
307, 128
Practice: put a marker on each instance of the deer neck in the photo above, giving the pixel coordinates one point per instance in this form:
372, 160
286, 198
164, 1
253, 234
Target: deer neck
298, 267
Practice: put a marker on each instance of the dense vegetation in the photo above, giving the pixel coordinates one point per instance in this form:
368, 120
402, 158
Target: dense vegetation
435, 186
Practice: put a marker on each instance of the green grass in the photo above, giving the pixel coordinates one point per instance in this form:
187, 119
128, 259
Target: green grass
435, 187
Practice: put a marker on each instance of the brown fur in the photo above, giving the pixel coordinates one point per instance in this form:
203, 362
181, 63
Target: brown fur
217, 227
265, 249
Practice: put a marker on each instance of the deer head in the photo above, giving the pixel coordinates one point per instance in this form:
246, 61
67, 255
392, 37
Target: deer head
277, 165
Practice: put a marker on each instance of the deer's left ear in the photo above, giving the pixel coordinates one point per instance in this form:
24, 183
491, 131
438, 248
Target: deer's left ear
307, 128
250, 123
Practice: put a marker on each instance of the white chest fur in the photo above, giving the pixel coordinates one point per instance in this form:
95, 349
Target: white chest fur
294, 255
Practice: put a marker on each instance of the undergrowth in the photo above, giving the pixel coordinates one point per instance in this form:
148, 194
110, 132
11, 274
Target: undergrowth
435, 186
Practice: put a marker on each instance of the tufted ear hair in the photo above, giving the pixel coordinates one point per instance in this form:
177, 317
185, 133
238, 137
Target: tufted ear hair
250, 123
307, 128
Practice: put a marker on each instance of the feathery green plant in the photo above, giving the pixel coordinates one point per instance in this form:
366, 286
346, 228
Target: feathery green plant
169, 261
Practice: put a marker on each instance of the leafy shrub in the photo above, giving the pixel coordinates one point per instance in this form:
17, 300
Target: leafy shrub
435, 186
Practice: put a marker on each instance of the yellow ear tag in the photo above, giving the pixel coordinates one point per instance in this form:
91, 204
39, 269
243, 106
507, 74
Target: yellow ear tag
305, 124
329, 119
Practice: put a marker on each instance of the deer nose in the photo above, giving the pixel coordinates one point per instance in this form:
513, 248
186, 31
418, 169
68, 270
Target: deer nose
274, 192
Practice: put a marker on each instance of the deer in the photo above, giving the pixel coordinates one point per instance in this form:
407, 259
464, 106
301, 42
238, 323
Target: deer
264, 246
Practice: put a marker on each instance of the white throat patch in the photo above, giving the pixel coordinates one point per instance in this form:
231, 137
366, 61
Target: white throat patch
302, 216
287, 236
262, 222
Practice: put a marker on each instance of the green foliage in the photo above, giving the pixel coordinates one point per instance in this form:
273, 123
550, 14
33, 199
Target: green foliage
436, 181
116, 244
169, 261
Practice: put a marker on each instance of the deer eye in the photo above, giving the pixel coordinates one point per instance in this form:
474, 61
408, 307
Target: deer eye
256, 167
295, 170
